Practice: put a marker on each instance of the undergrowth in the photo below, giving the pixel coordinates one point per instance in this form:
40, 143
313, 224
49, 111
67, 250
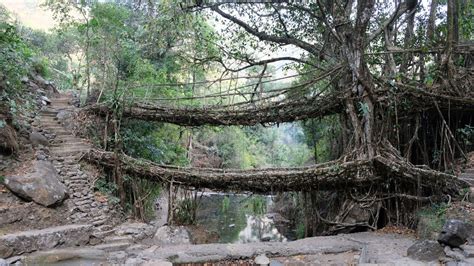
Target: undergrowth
431, 219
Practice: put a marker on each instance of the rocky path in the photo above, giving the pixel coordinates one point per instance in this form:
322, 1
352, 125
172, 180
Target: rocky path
66, 151
354, 249
467, 175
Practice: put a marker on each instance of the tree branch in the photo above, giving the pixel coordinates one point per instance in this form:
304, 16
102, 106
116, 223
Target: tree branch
267, 37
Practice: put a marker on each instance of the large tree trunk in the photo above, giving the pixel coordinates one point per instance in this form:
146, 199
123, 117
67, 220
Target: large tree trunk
359, 99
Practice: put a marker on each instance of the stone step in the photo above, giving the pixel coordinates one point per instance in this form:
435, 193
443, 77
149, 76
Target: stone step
99, 233
469, 171
468, 176
115, 239
61, 100
99, 222
60, 132
468, 180
112, 247
78, 153
55, 128
50, 125
69, 149
60, 236
70, 144
48, 119
65, 147
48, 114
68, 139
66, 159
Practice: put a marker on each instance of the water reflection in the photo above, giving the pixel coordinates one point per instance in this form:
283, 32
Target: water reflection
238, 218
260, 229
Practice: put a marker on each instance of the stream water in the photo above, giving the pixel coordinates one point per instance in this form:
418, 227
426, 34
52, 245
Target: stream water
239, 218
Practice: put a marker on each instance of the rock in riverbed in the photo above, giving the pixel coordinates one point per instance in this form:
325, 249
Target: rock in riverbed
172, 235
454, 233
425, 250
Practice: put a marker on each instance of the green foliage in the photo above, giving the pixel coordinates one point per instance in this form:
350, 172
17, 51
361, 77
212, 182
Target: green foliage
320, 135
431, 219
14, 60
225, 204
145, 196
2, 179
300, 230
107, 188
40, 65
185, 213
256, 205
467, 134
160, 143
363, 108
17, 60
257, 146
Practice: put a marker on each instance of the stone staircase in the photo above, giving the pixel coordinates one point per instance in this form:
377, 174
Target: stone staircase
66, 151
467, 175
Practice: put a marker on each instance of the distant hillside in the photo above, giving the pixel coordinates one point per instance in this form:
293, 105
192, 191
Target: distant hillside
30, 13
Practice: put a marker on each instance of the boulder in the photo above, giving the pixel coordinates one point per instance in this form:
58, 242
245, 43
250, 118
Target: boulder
454, 253
454, 233
63, 115
468, 251
8, 139
425, 250
262, 260
137, 231
41, 186
172, 235
38, 139
46, 100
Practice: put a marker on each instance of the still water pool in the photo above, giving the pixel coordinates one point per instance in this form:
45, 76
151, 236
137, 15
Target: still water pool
238, 218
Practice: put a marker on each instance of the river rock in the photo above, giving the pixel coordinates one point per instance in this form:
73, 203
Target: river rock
41, 186
38, 139
157, 263
454, 253
262, 260
64, 115
137, 231
468, 251
172, 235
454, 233
425, 250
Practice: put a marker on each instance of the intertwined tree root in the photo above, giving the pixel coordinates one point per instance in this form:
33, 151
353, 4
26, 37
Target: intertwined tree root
334, 175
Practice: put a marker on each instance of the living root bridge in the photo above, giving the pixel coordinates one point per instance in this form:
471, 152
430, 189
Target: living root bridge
335, 175
273, 112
